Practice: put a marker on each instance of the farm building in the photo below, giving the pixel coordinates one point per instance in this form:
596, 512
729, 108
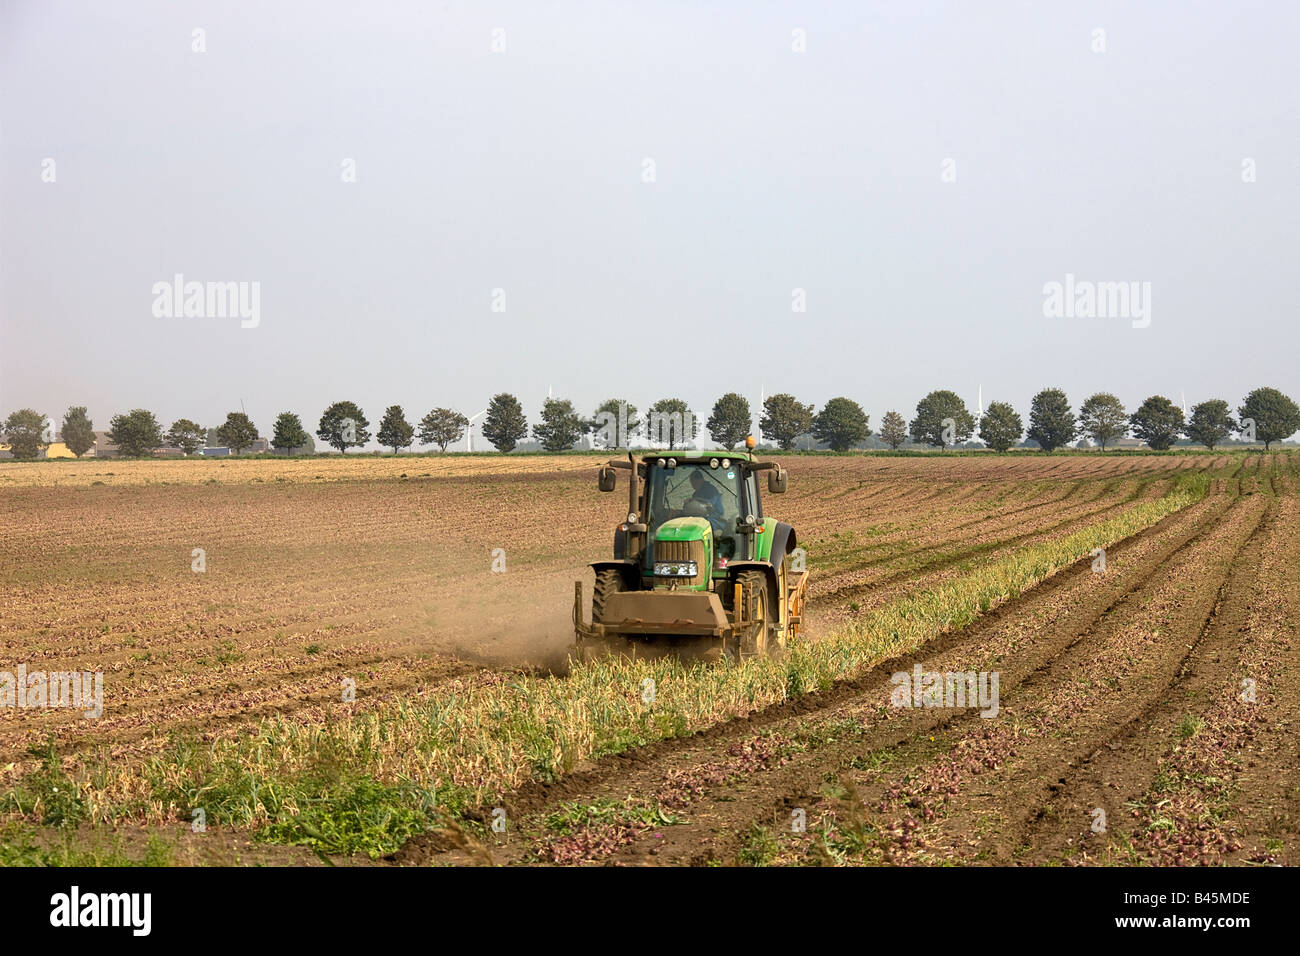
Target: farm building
55, 449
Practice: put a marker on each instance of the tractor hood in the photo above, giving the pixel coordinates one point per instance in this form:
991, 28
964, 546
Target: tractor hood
684, 529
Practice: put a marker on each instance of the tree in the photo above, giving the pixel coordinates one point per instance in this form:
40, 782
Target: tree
78, 430
841, 424
942, 419
136, 433
613, 430
1051, 423
186, 435
343, 427
289, 433
730, 422
1210, 423
238, 432
785, 419
395, 431
25, 432
1158, 422
1000, 427
441, 427
1103, 418
1275, 415
893, 430
671, 420
561, 425
505, 423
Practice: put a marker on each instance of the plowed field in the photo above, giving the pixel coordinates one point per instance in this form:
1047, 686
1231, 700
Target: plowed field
1146, 713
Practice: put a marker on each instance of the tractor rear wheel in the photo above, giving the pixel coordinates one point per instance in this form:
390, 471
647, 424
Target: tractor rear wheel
608, 581
760, 636
777, 642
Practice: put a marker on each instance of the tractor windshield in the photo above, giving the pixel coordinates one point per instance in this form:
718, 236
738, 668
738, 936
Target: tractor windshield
701, 491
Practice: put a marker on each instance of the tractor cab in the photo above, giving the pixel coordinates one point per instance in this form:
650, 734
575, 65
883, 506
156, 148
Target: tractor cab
719, 490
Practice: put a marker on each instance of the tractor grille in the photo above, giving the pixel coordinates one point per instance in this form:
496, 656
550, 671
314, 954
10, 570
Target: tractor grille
683, 551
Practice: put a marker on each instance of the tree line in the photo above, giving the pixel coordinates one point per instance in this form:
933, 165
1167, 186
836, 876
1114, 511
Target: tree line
942, 420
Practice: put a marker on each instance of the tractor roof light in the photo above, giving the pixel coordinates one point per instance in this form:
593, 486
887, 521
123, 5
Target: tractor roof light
726, 463
713, 463
672, 462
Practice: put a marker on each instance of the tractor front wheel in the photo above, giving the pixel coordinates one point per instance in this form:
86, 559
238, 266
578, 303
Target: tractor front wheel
758, 638
608, 581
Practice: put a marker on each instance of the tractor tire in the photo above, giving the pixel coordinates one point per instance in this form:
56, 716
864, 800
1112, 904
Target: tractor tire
777, 642
761, 637
608, 581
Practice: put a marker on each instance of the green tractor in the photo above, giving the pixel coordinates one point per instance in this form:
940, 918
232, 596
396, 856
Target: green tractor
697, 567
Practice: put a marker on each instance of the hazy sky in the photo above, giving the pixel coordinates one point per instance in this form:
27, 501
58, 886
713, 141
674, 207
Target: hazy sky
525, 170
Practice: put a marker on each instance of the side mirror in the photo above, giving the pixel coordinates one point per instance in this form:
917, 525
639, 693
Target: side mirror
777, 479
605, 479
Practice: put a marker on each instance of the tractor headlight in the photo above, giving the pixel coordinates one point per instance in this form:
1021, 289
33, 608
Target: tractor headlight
675, 569
631, 517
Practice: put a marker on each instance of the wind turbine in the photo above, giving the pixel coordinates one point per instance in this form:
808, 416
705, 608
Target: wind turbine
469, 431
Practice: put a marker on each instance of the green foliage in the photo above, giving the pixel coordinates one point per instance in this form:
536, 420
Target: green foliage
343, 427
893, 430
784, 419
671, 420
760, 847
572, 817
1210, 423
1001, 427
731, 421
1275, 415
1158, 422
600, 425
289, 433
841, 424
561, 425
24, 432
1103, 418
1051, 422
441, 427
395, 431
934, 413
505, 423
186, 435
238, 432
48, 793
78, 430
355, 816
136, 433
80, 849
